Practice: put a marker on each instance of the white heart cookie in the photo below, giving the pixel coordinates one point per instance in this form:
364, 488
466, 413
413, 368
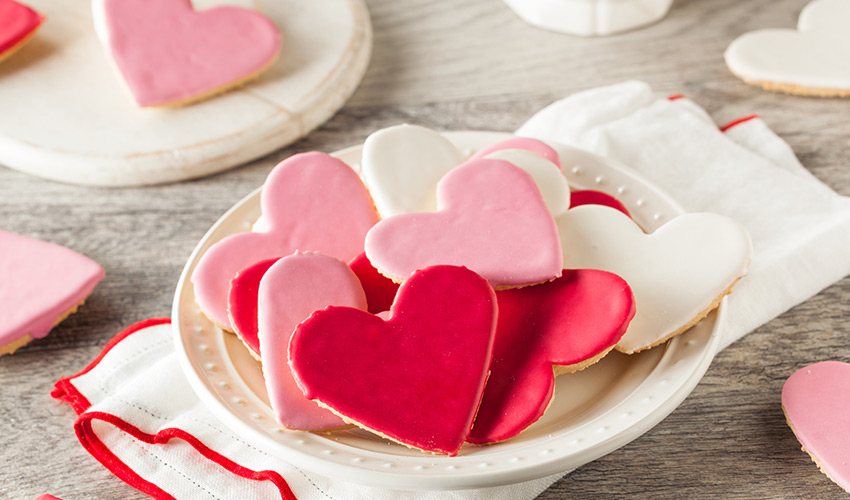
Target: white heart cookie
402, 166
812, 60
678, 274
548, 177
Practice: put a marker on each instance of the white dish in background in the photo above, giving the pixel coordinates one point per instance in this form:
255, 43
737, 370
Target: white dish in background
590, 17
67, 115
593, 413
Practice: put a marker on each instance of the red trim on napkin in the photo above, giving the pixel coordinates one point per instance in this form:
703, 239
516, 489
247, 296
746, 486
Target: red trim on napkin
66, 391
739, 121
675, 97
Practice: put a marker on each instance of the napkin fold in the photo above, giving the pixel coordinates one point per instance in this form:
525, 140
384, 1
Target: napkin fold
140, 418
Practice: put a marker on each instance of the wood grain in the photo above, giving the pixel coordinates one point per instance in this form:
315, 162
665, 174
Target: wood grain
458, 65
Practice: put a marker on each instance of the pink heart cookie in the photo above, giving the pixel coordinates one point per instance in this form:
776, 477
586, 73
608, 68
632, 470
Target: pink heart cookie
41, 284
491, 219
18, 23
570, 322
816, 402
170, 54
523, 143
310, 202
290, 291
416, 377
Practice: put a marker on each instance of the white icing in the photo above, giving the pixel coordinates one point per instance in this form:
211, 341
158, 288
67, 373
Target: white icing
676, 273
548, 177
815, 55
402, 166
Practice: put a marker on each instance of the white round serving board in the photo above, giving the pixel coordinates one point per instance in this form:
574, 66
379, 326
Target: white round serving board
594, 411
67, 116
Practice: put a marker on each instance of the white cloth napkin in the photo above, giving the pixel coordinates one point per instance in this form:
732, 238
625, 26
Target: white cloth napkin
140, 418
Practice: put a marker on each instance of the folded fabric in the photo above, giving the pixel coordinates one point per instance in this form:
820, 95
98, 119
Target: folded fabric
140, 418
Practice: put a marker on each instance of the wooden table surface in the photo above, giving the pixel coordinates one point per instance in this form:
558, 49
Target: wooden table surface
458, 65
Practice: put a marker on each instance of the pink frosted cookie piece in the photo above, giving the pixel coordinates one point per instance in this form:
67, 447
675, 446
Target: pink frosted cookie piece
41, 283
491, 219
816, 402
592, 197
525, 143
678, 274
242, 304
18, 23
416, 377
380, 290
310, 202
572, 322
170, 54
290, 291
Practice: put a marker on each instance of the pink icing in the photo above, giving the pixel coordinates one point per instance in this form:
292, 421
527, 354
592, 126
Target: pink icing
578, 316
169, 53
415, 377
592, 197
292, 289
17, 24
491, 219
311, 202
816, 401
242, 303
380, 290
40, 281
525, 143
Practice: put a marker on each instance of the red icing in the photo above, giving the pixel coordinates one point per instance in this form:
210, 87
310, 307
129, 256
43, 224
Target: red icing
525, 143
380, 290
574, 318
242, 303
591, 197
416, 377
17, 23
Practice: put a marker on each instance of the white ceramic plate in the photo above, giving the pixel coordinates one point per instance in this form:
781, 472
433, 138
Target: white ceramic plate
593, 413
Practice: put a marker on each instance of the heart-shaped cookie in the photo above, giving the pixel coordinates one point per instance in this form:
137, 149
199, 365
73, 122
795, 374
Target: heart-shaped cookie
310, 202
593, 197
570, 322
416, 377
170, 54
524, 143
491, 219
816, 402
380, 290
678, 274
18, 23
242, 304
290, 291
41, 284
547, 175
403, 164
811, 60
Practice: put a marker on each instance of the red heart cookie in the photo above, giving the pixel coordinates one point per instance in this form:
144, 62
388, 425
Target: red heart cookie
380, 290
491, 219
18, 23
416, 377
816, 402
242, 304
170, 54
592, 197
571, 322
310, 202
